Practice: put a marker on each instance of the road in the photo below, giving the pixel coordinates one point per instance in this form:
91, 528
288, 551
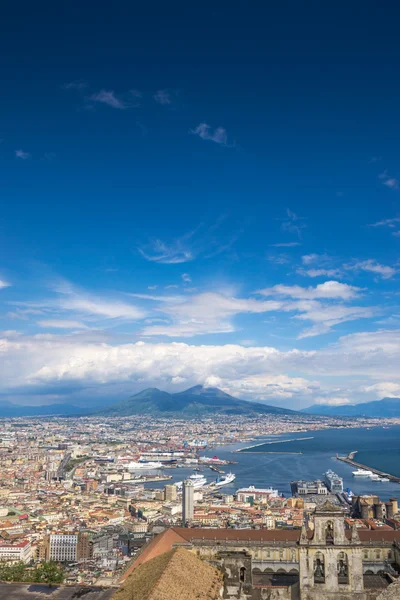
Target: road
20, 591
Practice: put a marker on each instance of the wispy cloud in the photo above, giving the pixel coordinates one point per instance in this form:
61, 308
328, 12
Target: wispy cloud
168, 254
186, 278
389, 181
286, 245
390, 223
23, 155
70, 303
329, 289
4, 284
372, 266
202, 241
75, 85
320, 272
163, 97
109, 98
62, 324
205, 132
293, 223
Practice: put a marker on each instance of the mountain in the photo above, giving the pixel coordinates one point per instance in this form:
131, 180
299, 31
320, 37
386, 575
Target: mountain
7, 409
196, 401
385, 408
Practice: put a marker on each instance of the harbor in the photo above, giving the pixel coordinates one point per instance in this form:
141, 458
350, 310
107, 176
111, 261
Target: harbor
349, 459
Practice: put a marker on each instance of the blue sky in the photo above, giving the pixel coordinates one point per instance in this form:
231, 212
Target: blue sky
199, 196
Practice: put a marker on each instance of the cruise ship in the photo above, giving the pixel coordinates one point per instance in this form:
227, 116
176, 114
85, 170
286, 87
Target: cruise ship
197, 479
139, 466
334, 483
225, 480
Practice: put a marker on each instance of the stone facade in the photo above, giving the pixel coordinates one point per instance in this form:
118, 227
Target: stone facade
327, 562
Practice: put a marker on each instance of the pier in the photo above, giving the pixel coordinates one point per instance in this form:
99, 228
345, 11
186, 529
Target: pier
349, 459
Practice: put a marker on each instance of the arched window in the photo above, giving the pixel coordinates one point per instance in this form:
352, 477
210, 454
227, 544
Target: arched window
319, 568
342, 568
242, 574
329, 538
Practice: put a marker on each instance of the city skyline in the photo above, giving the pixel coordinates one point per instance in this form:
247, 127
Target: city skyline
199, 199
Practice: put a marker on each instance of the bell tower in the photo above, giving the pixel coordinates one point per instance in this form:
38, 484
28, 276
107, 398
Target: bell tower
330, 558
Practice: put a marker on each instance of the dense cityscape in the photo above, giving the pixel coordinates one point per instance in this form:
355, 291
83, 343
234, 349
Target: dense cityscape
90, 493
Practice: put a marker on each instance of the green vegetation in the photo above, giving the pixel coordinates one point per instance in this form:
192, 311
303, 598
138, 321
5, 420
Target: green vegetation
45, 572
74, 462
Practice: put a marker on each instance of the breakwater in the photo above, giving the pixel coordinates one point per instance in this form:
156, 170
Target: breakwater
349, 459
247, 448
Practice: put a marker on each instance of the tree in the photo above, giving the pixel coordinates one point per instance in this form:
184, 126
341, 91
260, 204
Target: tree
49, 572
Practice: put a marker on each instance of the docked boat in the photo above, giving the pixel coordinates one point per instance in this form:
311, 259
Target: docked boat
225, 480
362, 473
198, 481
149, 466
333, 482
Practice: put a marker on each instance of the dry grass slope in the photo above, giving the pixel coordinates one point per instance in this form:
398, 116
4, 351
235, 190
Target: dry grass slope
177, 574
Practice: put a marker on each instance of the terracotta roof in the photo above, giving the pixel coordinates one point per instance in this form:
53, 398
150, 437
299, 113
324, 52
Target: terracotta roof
254, 535
160, 544
177, 574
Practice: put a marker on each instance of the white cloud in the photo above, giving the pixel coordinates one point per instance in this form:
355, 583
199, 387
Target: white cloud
384, 389
70, 299
23, 155
286, 245
208, 312
218, 135
163, 97
390, 182
109, 98
293, 223
75, 85
372, 266
329, 289
333, 401
320, 272
172, 254
387, 223
62, 324
255, 372
4, 284
308, 259
186, 278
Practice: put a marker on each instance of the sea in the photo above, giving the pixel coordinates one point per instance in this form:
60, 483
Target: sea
309, 459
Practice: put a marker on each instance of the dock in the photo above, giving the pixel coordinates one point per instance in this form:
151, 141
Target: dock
213, 468
349, 459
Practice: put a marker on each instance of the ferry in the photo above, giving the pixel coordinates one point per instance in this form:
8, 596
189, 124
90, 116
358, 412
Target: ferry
348, 495
225, 480
140, 466
198, 481
362, 473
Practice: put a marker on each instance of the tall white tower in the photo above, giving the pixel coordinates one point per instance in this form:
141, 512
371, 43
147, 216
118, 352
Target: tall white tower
187, 501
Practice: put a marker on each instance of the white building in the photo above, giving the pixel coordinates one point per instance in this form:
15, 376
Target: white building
63, 547
16, 552
253, 494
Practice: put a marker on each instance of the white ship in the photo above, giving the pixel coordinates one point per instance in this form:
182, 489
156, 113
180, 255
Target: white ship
333, 482
139, 466
197, 479
362, 473
225, 480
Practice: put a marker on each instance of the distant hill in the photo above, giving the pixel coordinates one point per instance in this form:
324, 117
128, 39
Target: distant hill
196, 401
8, 409
387, 407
